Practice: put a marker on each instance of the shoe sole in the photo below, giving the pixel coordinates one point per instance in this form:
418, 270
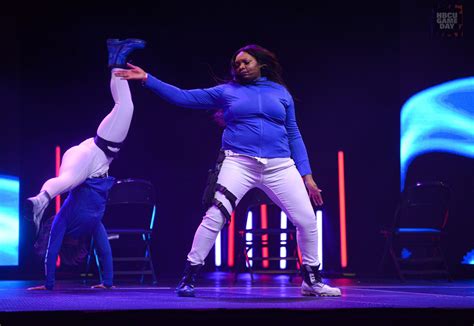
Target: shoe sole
38, 221
314, 294
31, 215
186, 295
141, 46
29, 212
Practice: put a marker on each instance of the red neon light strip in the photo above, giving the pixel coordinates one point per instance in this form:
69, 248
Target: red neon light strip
58, 164
58, 197
342, 208
299, 257
231, 242
264, 221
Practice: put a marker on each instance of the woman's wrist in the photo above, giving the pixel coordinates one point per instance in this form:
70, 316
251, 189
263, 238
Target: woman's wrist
308, 177
144, 79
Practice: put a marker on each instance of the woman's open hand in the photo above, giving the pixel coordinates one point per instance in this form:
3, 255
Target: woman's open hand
313, 191
135, 73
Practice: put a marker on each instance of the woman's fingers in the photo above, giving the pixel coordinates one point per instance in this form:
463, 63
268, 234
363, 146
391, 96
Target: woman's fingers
120, 73
317, 198
131, 66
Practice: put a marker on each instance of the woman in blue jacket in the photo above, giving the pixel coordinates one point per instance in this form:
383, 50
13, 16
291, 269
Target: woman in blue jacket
263, 148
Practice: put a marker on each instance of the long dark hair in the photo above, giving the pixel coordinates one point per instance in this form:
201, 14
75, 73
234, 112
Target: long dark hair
271, 69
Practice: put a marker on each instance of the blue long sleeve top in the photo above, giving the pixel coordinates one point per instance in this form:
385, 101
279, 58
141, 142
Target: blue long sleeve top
260, 117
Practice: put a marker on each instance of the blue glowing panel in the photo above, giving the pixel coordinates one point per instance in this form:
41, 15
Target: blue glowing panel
438, 119
9, 220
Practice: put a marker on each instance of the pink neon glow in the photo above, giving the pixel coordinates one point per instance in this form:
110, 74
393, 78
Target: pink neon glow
342, 208
231, 242
58, 198
58, 163
264, 221
299, 257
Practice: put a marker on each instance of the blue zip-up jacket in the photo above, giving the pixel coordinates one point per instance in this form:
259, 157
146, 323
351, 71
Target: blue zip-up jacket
260, 117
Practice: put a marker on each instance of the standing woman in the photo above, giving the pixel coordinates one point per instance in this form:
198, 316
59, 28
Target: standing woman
263, 148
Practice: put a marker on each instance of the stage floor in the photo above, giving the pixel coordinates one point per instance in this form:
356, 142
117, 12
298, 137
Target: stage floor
269, 296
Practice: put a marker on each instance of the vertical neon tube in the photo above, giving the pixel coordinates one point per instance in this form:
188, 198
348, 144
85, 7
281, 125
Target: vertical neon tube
264, 222
58, 164
342, 208
319, 222
58, 197
231, 242
300, 257
218, 251
248, 236
283, 239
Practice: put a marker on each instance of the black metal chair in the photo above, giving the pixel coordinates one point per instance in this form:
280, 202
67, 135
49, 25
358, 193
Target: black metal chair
129, 219
269, 239
414, 240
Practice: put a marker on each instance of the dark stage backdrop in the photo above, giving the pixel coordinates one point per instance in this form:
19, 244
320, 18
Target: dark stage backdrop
427, 60
349, 68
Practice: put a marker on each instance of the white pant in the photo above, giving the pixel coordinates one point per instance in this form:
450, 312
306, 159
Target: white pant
281, 181
86, 159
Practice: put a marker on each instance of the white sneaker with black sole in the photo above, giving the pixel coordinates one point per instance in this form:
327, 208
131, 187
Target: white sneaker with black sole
313, 284
319, 289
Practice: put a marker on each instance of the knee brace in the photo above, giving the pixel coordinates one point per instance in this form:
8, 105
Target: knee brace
212, 186
105, 144
230, 197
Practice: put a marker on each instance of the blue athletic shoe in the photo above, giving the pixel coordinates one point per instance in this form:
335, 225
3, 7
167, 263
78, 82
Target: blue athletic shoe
120, 49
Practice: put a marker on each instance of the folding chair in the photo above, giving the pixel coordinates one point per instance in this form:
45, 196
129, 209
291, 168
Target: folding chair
270, 248
129, 219
414, 239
